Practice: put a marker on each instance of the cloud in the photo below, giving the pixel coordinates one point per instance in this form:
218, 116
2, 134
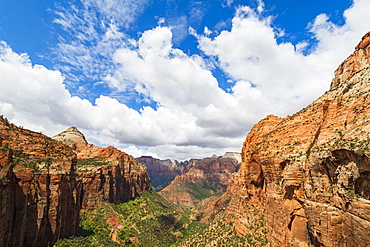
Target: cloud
91, 32
193, 117
280, 73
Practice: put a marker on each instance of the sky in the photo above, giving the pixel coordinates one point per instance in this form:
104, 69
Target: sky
169, 78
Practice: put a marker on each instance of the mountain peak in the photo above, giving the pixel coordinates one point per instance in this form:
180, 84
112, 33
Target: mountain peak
356, 62
73, 138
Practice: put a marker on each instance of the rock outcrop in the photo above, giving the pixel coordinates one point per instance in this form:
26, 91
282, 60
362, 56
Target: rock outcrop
310, 172
213, 171
73, 138
162, 172
106, 174
40, 193
109, 174
44, 184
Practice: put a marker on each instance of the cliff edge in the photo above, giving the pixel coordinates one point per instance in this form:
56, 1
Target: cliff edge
310, 172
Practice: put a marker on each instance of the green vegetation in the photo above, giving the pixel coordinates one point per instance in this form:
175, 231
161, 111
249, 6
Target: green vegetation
222, 233
85, 165
148, 220
352, 194
21, 158
92, 162
203, 191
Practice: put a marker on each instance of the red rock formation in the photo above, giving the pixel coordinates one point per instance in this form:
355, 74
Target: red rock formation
106, 173
121, 178
310, 172
41, 192
40, 196
208, 171
161, 172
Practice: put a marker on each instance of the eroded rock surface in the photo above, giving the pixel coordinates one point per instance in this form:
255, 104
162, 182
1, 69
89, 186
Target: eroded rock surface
310, 172
44, 183
162, 172
208, 171
117, 177
40, 193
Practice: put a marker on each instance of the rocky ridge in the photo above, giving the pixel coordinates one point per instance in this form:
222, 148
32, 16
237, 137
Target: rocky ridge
162, 172
310, 172
107, 174
44, 184
214, 170
40, 191
73, 138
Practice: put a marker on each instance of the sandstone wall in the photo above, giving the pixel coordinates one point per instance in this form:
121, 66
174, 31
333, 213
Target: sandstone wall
43, 187
162, 170
208, 171
40, 194
310, 172
123, 178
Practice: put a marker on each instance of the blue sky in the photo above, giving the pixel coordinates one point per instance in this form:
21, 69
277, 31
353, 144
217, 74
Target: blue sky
172, 79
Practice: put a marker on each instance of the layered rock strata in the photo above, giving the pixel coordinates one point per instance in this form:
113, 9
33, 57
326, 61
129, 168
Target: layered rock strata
44, 184
109, 174
40, 193
106, 174
310, 172
162, 172
73, 138
214, 170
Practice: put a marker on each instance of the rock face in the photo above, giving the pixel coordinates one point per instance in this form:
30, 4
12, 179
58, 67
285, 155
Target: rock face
40, 194
310, 172
44, 184
110, 175
73, 138
208, 171
162, 172
106, 173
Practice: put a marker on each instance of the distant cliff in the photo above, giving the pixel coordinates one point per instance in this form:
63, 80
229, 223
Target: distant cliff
310, 172
44, 184
162, 172
205, 178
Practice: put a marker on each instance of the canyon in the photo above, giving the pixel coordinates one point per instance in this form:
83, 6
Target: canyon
44, 185
301, 180
309, 173
162, 172
205, 178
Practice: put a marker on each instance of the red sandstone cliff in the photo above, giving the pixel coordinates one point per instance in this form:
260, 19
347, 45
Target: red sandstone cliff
208, 171
44, 184
40, 194
310, 172
122, 177
105, 173
162, 172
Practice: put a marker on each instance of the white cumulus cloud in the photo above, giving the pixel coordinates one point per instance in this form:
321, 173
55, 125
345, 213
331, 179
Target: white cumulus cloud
193, 117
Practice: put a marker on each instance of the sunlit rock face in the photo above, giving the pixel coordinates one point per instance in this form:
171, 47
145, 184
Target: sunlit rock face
214, 170
44, 184
40, 192
73, 138
310, 172
162, 172
119, 179
106, 174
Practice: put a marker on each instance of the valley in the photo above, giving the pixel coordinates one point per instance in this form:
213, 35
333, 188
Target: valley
301, 180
